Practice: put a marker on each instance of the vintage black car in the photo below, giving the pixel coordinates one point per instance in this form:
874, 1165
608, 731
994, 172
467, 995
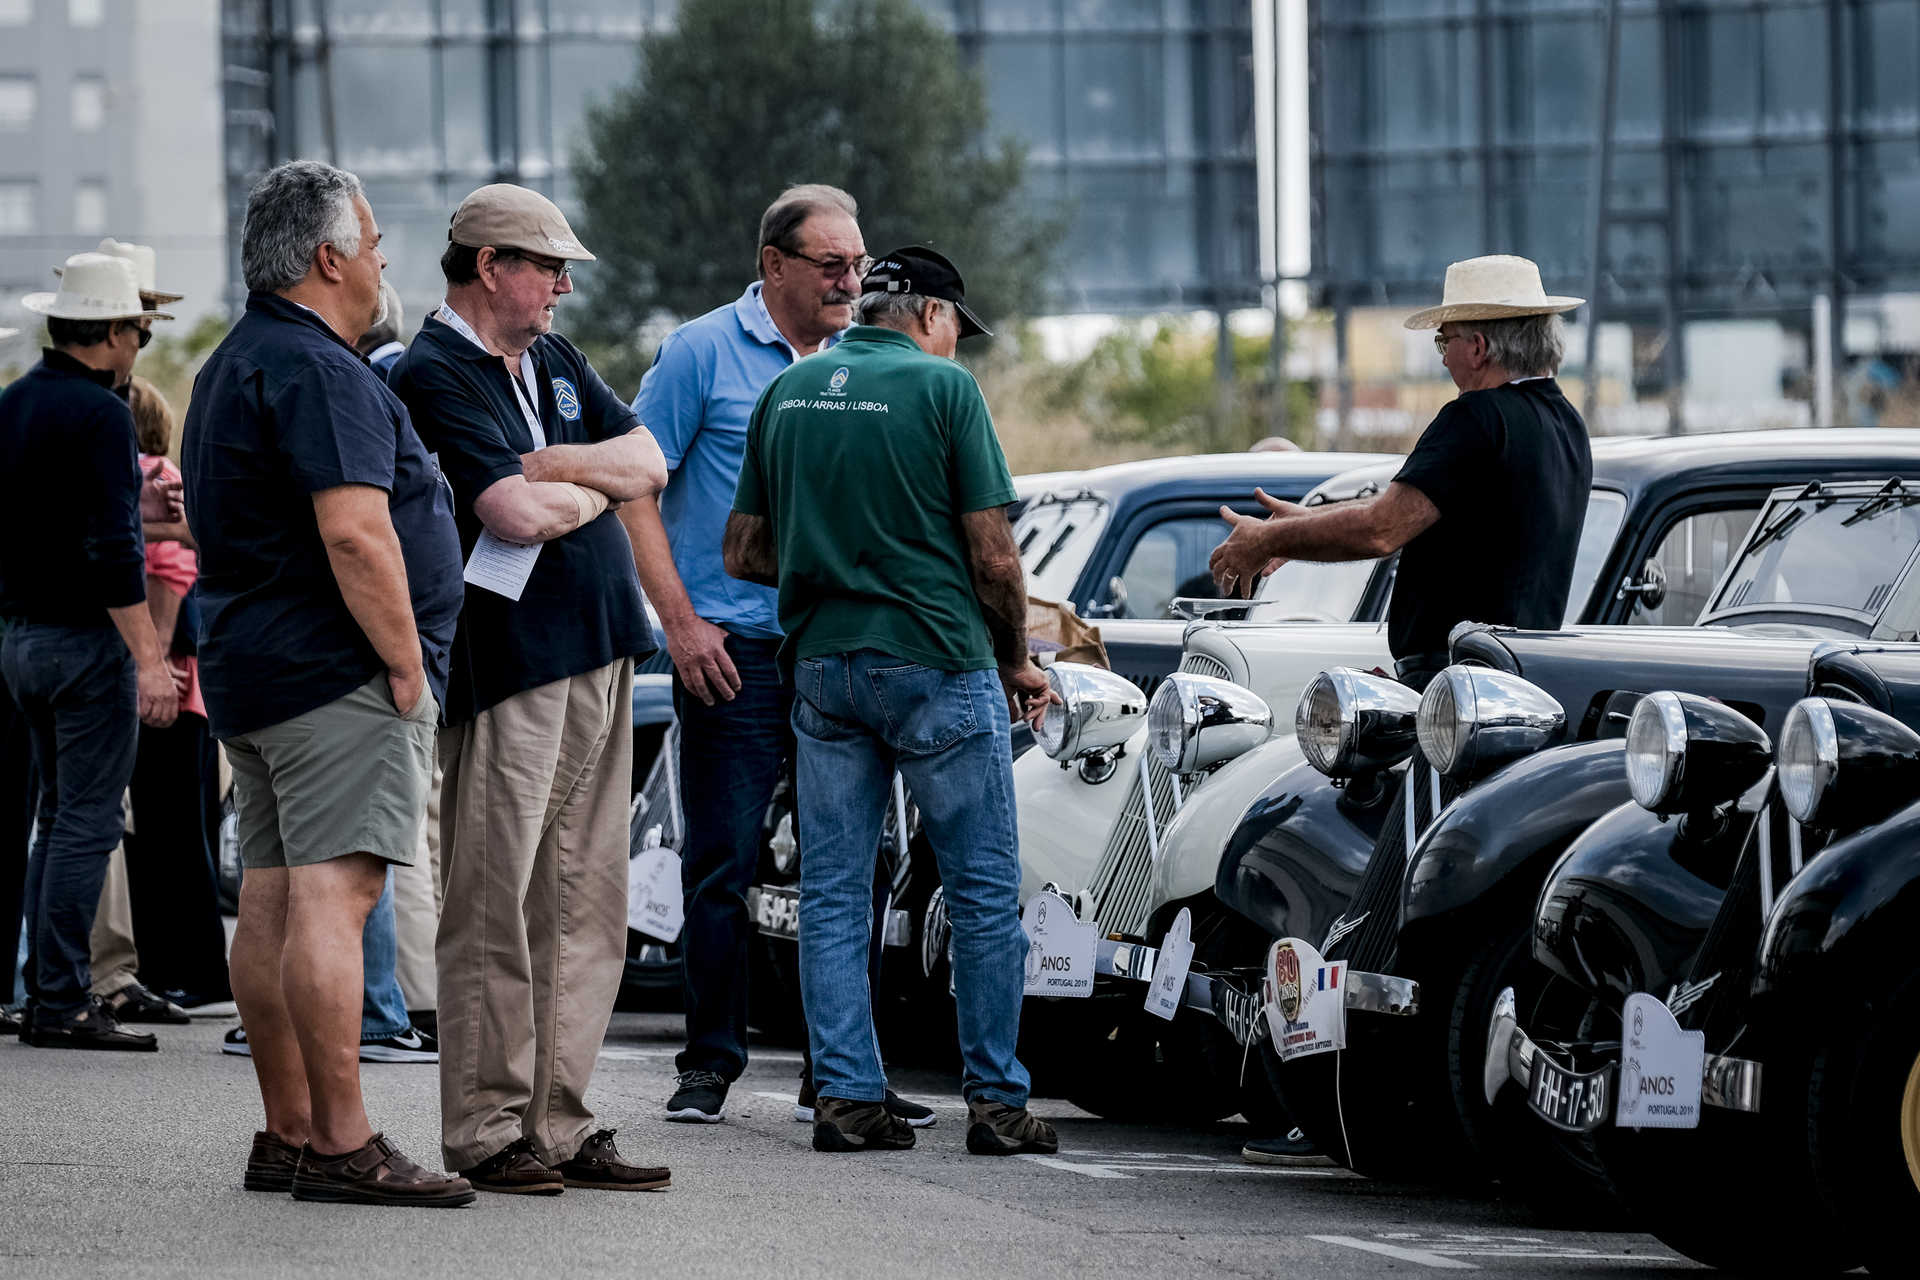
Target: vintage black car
1328, 862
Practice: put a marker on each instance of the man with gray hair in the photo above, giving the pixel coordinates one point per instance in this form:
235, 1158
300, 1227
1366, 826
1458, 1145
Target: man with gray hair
723, 634
329, 588
1509, 454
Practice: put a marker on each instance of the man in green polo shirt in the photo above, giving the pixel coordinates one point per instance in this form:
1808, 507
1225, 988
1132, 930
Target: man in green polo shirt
872, 495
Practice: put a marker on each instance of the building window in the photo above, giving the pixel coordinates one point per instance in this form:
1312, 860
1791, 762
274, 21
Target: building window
16, 13
18, 95
16, 209
90, 208
89, 103
86, 13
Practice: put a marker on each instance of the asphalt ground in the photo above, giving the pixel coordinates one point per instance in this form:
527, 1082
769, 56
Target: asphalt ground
129, 1165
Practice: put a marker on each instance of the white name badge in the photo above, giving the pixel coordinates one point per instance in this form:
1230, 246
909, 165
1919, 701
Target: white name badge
1060, 950
654, 905
1660, 1068
1170, 970
1306, 1000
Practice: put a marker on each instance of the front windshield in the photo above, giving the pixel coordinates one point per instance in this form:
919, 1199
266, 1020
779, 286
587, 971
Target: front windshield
1301, 589
1826, 552
1055, 536
1605, 512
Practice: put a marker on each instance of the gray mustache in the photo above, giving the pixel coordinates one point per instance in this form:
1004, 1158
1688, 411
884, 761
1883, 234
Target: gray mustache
837, 296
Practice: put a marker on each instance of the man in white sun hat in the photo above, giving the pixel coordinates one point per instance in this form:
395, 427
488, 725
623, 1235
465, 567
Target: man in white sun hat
1508, 456
80, 655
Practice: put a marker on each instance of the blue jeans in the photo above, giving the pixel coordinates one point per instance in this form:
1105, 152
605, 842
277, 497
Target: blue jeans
858, 717
730, 759
76, 688
383, 1007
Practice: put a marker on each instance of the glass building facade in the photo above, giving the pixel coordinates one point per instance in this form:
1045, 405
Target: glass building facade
1137, 115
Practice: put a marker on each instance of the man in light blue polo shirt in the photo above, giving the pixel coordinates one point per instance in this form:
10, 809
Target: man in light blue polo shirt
735, 729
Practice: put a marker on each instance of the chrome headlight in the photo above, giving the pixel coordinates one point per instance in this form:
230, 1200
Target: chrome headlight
1475, 719
1351, 721
1843, 765
1196, 722
1686, 753
1098, 710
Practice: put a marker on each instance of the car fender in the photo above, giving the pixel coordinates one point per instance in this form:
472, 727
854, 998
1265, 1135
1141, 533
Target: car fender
1619, 912
1064, 821
1502, 836
1191, 848
1295, 857
652, 700
1846, 923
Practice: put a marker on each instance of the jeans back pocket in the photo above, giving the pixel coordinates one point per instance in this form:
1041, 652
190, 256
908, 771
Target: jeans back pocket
927, 710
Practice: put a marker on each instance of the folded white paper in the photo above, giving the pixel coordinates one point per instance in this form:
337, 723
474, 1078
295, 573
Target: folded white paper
501, 567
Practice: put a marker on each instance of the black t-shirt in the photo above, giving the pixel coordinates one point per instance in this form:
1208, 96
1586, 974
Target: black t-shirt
582, 608
1510, 470
282, 410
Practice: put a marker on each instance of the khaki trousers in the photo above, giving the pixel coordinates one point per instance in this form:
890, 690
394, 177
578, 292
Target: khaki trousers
533, 935
416, 912
115, 962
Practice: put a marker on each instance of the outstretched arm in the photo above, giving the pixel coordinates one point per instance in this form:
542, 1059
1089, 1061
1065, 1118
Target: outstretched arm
1346, 531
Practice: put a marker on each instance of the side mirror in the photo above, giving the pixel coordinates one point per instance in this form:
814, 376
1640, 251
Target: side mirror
1651, 589
1117, 597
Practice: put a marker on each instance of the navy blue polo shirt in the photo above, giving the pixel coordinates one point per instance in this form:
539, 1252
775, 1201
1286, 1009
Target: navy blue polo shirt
282, 410
70, 541
582, 608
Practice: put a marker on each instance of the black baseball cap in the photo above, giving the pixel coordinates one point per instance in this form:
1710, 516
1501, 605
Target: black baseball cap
917, 269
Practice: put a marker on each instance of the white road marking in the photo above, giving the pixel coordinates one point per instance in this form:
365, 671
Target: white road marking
1133, 1163
1418, 1256
627, 1053
1085, 1170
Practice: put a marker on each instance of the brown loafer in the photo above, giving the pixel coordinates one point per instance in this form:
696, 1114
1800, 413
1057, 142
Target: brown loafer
271, 1163
598, 1165
515, 1171
375, 1174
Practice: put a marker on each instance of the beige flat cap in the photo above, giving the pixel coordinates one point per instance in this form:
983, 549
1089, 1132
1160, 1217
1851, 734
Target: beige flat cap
1491, 288
510, 217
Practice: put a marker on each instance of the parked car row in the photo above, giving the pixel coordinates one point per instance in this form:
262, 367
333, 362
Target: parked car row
1476, 933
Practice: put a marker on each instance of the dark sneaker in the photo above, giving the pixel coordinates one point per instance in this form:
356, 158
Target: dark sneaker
515, 1171
1295, 1150
843, 1125
916, 1115
91, 1028
411, 1045
271, 1163
427, 1020
996, 1129
598, 1164
699, 1097
376, 1174
134, 1003
235, 1042
203, 1004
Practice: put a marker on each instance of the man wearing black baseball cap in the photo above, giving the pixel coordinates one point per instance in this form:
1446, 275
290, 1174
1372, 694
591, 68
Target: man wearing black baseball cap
904, 607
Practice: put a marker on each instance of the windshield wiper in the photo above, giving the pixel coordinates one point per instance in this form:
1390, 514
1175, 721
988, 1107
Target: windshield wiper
1890, 495
1052, 551
1778, 529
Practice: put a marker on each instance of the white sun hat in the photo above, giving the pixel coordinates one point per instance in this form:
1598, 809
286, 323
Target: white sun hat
94, 286
145, 269
1491, 288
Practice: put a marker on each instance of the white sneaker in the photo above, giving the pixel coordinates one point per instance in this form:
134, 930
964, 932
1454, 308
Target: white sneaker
411, 1045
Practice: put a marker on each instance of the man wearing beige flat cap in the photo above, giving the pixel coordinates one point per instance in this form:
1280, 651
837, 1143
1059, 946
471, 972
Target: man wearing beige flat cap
538, 746
80, 657
1486, 512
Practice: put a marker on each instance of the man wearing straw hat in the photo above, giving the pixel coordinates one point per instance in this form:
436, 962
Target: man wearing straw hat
1508, 456
80, 655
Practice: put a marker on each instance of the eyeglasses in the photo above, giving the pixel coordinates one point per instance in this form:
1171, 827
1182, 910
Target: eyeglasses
834, 268
1440, 340
554, 273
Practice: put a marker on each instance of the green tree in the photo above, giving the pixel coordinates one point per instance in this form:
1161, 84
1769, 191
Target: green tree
747, 97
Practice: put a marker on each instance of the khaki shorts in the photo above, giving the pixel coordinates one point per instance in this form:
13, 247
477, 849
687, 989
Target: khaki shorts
349, 777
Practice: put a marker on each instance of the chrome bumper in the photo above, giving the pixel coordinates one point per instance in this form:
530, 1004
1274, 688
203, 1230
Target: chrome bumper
1234, 996
1732, 1084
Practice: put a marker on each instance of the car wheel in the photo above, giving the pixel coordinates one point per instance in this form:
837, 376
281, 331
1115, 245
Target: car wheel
1863, 1128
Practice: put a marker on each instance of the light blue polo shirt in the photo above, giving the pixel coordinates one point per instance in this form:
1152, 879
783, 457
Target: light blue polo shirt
696, 400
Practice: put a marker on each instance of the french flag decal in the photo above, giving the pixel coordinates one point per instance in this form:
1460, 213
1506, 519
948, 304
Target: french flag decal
1327, 977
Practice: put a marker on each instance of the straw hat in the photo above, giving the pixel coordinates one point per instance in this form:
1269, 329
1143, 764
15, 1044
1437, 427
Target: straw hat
1491, 288
94, 286
8, 333
145, 267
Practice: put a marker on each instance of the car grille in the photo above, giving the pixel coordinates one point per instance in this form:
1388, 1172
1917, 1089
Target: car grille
1373, 944
1122, 886
659, 800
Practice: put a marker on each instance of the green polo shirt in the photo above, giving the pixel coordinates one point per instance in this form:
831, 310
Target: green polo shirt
863, 459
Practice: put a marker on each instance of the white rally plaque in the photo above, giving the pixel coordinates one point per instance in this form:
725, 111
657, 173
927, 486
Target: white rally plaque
1170, 970
1660, 1068
1060, 950
654, 905
1306, 1000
